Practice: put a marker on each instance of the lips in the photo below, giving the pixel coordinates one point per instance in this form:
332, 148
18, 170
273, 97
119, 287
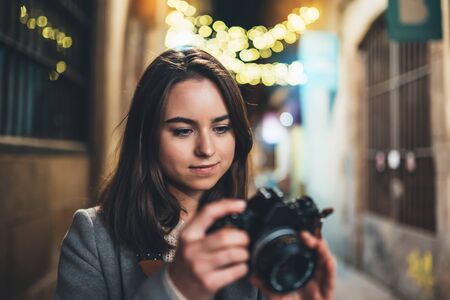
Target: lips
203, 169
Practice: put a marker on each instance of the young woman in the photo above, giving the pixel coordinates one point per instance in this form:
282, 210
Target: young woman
186, 141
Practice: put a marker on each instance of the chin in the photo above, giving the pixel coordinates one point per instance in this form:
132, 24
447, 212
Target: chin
202, 185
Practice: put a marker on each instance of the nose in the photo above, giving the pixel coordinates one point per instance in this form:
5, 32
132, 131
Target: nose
205, 145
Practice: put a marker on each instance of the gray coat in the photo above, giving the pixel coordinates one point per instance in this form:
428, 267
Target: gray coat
92, 266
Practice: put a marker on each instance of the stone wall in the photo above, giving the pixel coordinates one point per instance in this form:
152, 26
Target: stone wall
386, 250
38, 196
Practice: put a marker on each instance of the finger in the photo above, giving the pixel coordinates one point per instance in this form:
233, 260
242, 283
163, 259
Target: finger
226, 258
326, 269
309, 240
330, 280
327, 283
227, 237
218, 279
196, 229
312, 242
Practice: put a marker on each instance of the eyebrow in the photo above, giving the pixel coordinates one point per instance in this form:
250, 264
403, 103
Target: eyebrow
193, 122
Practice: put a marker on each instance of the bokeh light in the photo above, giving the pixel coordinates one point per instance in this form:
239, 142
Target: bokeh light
237, 48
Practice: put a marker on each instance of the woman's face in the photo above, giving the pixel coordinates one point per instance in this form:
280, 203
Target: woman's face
197, 142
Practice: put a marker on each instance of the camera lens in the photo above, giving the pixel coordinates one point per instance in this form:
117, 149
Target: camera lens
292, 273
282, 262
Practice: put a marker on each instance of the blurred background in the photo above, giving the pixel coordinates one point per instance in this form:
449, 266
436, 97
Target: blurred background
349, 101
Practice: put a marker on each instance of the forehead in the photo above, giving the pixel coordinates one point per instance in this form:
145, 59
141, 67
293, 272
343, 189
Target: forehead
196, 99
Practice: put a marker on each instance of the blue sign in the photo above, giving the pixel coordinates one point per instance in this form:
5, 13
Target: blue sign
318, 53
319, 56
414, 20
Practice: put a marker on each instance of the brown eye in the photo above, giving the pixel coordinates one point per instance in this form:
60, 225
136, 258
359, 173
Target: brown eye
182, 132
222, 129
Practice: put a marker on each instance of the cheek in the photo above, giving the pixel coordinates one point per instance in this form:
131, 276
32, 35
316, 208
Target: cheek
227, 149
170, 152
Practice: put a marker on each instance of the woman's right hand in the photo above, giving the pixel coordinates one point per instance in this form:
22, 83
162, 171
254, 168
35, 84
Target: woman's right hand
205, 263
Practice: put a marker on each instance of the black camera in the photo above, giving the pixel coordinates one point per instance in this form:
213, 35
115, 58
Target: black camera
278, 257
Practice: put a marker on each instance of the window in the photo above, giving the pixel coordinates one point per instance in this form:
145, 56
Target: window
399, 129
45, 69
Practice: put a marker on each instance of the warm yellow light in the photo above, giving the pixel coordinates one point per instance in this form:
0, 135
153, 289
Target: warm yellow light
313, 13
53, 33
174, 18
268, 40
249, 55
245, 55
190, 11
279, 31
201, 21
237, 65
46, 32
290, 37
42, 21
219, 26
255, 81
222, 36
53, 75
280, 70
265, 53
254, 33
251, 72
23, 11
31, 23
67, 42
213, 46
254, 54
259, 42
59, 37
277, 47
229, 53
223, 46
172, 3
309, 14
268, 80
186, 25
296, 67
244, 44
303, 11
244, 79
61, 67
239, 78
24, 19
262, 29
209, 20
236, 32
232, 46
198, 41
235, 45
182, 6
205, 31
296, 23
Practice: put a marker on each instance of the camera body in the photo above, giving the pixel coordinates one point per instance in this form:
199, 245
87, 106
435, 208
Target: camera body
278, 257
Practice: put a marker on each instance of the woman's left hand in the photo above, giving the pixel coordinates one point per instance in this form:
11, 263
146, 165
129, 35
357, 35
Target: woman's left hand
321, 286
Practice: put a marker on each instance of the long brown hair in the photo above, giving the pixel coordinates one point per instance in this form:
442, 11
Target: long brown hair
135, 201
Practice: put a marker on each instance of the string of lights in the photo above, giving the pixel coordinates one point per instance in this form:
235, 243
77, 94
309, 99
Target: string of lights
239, 49
62, 40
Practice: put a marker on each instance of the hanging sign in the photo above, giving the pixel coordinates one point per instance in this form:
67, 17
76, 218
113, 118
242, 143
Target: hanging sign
414, 20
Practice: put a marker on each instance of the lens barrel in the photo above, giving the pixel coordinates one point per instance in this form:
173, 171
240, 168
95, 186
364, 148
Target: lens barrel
282, 261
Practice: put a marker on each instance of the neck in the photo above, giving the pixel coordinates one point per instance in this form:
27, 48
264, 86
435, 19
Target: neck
188, 201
